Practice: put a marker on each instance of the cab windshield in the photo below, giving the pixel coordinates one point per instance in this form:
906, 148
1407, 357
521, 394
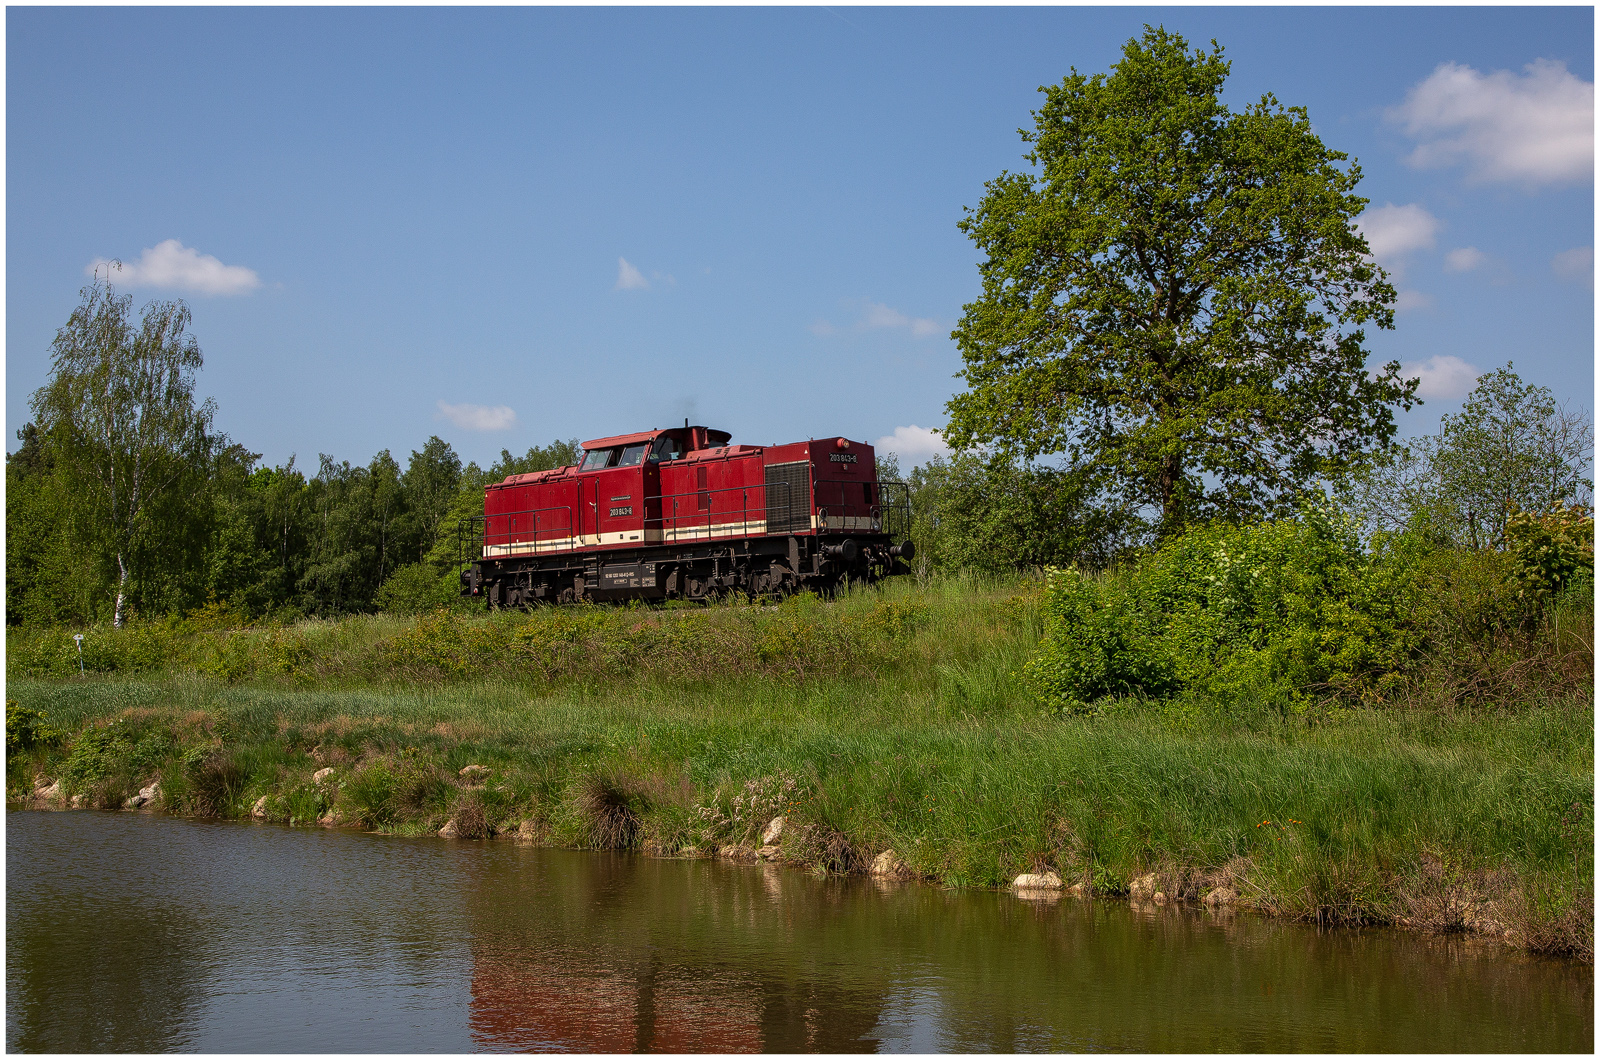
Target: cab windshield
595, 459
632, 456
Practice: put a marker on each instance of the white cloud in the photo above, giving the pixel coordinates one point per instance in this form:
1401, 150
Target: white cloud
1534, 129
630, 278
1464, 259
913, 445
1575, 264
878, 315
172, 265
1442, 378
1392, 232
479, 417
1407, 300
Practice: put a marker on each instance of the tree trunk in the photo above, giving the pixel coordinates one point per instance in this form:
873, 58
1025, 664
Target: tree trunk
1168, 479
122, 591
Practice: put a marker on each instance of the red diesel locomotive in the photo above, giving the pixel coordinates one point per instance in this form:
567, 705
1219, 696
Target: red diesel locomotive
681, 514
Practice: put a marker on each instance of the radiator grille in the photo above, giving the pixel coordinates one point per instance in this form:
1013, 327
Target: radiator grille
788, 497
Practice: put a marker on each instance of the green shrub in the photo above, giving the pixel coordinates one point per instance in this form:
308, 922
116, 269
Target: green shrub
26, 729
1287, 611
418, 588
1551, 551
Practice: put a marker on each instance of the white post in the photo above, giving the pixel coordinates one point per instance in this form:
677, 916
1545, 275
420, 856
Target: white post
79, 638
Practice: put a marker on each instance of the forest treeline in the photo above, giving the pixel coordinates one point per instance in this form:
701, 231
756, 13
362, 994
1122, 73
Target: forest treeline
260, 541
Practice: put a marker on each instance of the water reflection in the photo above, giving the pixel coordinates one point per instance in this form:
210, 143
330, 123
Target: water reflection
628, 954
132, 932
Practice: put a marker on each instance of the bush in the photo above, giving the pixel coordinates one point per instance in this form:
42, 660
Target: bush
1282, 613
418, 588
26, 729
1551, 551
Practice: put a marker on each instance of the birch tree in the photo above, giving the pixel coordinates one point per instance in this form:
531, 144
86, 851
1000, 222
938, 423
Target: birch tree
120, 413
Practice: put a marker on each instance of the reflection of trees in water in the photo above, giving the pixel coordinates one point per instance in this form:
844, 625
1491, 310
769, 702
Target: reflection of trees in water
622, 954
1091, 976
113, 977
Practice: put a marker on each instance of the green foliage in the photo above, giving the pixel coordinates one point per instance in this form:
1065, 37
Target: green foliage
26, 729
1553, 552
116, 747
1279, 613
416, 588
537, 458
998, 515
1174, 294
391, 788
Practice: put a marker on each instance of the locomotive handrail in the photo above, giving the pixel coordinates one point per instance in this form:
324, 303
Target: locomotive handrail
878, 511
711, 509
511, 537
464, 530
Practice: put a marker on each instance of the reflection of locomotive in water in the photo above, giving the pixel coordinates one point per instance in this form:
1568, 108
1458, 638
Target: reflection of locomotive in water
682, 514
598, 953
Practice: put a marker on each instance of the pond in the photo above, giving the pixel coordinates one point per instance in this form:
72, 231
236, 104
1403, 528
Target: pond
129, 931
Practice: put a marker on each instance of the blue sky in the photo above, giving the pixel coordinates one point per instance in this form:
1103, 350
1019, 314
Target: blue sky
505, 226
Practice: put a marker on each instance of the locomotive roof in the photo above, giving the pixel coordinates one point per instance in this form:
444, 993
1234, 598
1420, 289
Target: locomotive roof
623, 439
715, 436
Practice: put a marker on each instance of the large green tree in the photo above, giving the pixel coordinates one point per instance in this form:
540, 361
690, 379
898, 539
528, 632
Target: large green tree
1175, 293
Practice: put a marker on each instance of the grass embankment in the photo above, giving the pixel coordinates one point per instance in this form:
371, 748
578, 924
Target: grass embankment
889, 719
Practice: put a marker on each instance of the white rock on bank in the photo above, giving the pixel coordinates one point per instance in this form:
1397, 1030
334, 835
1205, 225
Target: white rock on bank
770, 852
1142, 886
773, 833
1037, 881
473, 774
322, 774
1220, 896
449, 831
146, 795
259, 810
49, 793
888, 864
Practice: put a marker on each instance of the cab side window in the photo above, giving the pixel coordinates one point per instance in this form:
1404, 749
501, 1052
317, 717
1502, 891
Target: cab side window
666, 448
632, 456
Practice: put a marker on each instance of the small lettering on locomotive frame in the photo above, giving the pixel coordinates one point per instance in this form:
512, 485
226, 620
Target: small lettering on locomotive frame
842, 458
626, 509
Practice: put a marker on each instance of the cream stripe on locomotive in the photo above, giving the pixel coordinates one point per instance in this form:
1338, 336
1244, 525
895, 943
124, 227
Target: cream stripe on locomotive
647, 537
846, 523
